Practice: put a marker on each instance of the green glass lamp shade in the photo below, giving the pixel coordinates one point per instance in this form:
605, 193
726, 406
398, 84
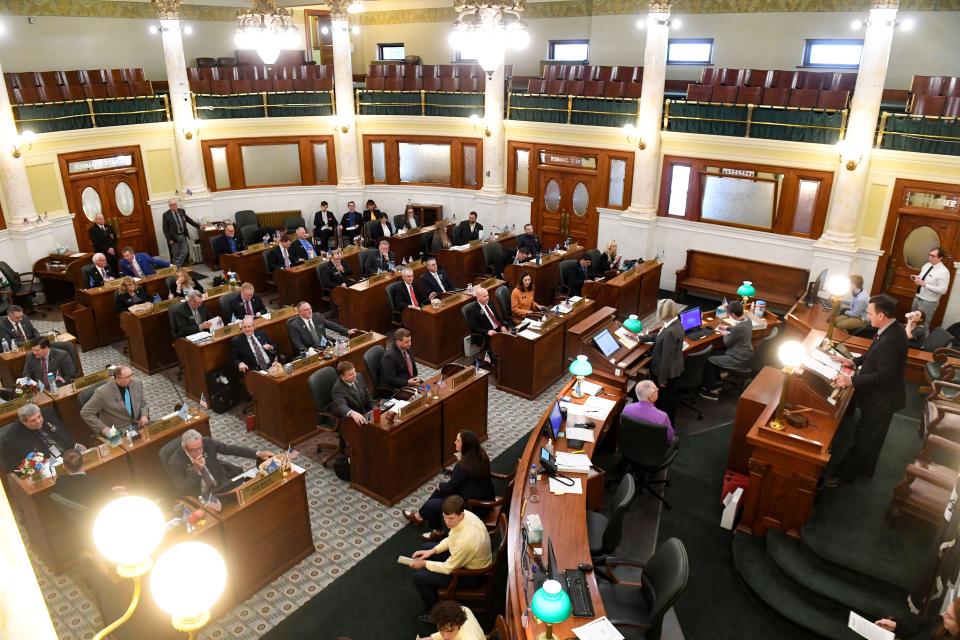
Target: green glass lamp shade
550, 603
746, 289
581, 366
633, 324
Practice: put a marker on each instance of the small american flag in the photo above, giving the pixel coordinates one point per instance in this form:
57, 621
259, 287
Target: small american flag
203, 402
213, 504
442, 385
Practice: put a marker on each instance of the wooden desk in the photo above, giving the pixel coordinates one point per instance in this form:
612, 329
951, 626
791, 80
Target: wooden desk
8, 410
632, 291
284, 406
60, 275
564, 523
299, 283
389, 461
364, 305
409, 244
546, 275
200, 359
206, 232
146, 470
11, 362
249, 266
464, 266
103, 302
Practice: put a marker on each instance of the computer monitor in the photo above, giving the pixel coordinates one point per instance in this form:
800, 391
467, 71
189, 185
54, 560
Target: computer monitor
690, 319
553, 567
820, 282
556, 419
606, 343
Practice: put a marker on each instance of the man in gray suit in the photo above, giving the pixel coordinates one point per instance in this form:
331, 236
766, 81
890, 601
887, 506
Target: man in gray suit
42, 360
195, 468
117, 404
738, 351
309, 329
16, 326
351, 398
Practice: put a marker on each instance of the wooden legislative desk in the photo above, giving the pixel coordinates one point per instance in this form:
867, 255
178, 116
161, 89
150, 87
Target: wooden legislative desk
785, 465
200, 359
364, 305
60, 275
284, 406
11, 362
409, 244
299, 283
8, 410
546, 274
249, 265
632, 291
564, 523
438, 332
464, 266
206, 232
102, 301
149, 337
389, 461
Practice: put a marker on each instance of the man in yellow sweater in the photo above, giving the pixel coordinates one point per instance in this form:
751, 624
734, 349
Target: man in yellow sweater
454, 622
466, 547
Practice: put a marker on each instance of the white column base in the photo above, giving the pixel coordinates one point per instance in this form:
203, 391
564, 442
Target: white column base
831, 240
644, 212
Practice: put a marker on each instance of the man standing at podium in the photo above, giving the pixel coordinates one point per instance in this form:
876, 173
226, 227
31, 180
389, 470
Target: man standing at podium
878, 390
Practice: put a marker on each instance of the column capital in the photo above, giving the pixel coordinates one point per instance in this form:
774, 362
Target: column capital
168, 9
885, 4
338, 9
659, 6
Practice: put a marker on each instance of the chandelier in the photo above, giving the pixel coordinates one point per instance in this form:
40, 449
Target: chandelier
268, 29
485, 30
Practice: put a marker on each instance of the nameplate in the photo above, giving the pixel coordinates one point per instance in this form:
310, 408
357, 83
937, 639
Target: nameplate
258, 486
415, 264
89, 379
216, 291
303, 363
227, 330
630, 274
412, 406
110, 285
166, 271
379, 277
163, 305
91, 456
360, 338
461, 378
160, 426
13, 405
256, 246
282, 312
349, 251
489, 283
473, 244
312, 262
549, 324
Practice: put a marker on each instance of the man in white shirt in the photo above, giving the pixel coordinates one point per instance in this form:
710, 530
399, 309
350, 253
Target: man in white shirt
932, 282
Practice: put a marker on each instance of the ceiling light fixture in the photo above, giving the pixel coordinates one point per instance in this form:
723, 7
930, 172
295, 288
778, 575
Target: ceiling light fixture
487, 29
268, 29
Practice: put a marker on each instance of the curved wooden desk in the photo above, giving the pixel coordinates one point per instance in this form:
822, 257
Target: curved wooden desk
564, 522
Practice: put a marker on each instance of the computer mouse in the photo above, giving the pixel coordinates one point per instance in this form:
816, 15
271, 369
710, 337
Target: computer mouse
586, 567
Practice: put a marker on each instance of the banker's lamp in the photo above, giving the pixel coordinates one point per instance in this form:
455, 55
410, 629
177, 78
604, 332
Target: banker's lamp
791, 355
836, 286
551, 605
746, 291
188, 601
580, 368
633, 324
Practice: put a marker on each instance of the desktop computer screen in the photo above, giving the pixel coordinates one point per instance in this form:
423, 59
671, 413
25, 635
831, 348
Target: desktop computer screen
690, 319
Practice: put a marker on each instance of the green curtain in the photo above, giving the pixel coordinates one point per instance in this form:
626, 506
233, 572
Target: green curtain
381, 103
538, 108
112, 113
222, 107
923, 135
453, 105
616, 113
795, 125
44, 118
300, 103
711, 119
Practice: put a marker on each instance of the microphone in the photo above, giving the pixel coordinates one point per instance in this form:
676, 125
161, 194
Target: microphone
176, 407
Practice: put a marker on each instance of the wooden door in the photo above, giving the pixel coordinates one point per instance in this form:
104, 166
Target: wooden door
922, 216
566, 206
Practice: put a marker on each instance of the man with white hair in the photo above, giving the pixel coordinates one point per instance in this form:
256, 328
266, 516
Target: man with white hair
104, 239
191, 316
100, 272
175, 221
408, 295
195, 468
34, 431
644, 410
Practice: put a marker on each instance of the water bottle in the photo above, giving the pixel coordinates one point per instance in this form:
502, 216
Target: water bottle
533, 474
52, 382
156, 298
6, 345
538, 257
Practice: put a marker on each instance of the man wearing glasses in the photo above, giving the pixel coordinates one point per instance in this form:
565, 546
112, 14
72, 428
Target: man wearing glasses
932, 282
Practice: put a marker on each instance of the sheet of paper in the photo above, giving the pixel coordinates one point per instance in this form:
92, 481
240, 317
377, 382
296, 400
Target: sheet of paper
573, 409
561, 488
686, 345
599, 629
599, 406
579, 433
867, 629
404, 560
824, 359
818, 367
460, 247
529, 335
590, 388
216, 322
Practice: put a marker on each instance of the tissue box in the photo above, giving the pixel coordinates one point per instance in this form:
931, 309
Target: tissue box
534, 528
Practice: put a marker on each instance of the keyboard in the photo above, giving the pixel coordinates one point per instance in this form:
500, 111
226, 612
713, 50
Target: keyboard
576, 583
825, 303
702, 332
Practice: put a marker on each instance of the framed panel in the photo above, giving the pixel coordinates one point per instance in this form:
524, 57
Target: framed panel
232, 164
452, 162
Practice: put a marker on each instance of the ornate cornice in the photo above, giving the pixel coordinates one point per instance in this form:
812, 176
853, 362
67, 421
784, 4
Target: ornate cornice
885, 4
338, 9
168, 9
660, 7
112, 9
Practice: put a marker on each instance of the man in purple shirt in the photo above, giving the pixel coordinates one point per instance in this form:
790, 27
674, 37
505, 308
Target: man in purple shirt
644, 410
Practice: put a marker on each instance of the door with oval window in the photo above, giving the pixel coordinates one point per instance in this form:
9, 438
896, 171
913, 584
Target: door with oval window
565, 206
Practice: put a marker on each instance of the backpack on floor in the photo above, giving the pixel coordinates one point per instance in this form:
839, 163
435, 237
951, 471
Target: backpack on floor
226, 388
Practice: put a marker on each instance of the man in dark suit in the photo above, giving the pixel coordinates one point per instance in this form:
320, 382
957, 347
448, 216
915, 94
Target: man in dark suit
190, 317
485, 319
195, 468
334, 273
281, 257
467, 230
140, 265
302, 246
398, 367
101, 272
83, 489
43, 360
383, 260
580, 275
252, 349
16, 327
518, 256
248, 303
382, 229
34, 432
530, 241
351, 398
351, 223
103, 239
175, 221
878, 391
407, 295
229, 242
309, 329
435, 281
324, 226
120, 403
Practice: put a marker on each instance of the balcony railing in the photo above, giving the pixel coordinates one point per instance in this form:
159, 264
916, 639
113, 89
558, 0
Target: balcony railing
449, 104
266, 104
921, 134
45, 117
797, 124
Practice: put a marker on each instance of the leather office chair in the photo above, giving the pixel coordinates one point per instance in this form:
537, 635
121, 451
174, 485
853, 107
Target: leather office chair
368, 228
465, 310
86, 272
567, 269
594, 262
493, 258
502, 294
325, 292
490, 510
605, 527
245, 218
398, 221
640, 606
321, 383
293, 223
396, 313
366, 256
927, 483
171, 282
250, 233
226, 303
213, 248
645, 449
692, 379
939, 369
70, 349
483, 581
21, 289
87, 392
372, 358
266, 265
941, 411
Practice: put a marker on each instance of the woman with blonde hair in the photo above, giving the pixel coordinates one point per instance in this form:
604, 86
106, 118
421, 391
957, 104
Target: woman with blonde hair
129, 294
609, 260
441, 240
666, 367
183, 285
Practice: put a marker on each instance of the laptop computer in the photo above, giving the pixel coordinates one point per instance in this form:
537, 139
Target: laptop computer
692, 323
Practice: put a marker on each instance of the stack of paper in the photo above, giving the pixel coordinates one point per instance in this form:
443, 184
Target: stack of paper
573, 462
599, 629
529, 335
598, 407
460, 247
559, 487
200, 336
579, 433
590, 388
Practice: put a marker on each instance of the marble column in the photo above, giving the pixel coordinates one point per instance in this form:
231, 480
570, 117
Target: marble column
348, 148
494, 150
851, 184
13, 171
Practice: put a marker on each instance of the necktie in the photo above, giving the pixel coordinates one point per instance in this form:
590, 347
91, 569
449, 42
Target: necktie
196, 317
308, 247
127, 402
258, 353
313, 332
249, 307
413, 297
233, 245
136, 267
19, 327
50, 445
103, 273
406, 357
180, 227
924, 276
436, 276
43, 370
286, 258
491, 316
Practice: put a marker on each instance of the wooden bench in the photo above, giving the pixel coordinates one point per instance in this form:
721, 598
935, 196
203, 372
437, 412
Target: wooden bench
721, 275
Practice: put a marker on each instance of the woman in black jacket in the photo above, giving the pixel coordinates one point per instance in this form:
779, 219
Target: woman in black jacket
129, 294
929, 627
470, 479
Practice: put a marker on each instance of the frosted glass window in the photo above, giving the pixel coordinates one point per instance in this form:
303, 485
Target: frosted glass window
679, 185
90, 201
551, 196
728, 199
618, 173
523, 171
918, 244
469, 165
321, 172
124, 198
271, 164
429, 163
806, 202
378, 159
221, 174
581, 199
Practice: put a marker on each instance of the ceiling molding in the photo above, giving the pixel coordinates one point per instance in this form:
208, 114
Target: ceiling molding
112, 9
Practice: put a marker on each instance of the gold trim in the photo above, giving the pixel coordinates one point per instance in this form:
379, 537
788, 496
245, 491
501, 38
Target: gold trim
168, 9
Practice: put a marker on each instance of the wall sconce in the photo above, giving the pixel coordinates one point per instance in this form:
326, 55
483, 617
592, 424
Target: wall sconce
342, 125
477, 122
633, 135
186, 30
676, 23
846, 154
192, 130
22, 142
906, 24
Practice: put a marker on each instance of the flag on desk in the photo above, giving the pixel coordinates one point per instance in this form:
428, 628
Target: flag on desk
203, 402
213, 504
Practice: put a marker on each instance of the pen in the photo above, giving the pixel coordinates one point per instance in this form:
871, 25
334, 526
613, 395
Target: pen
579, 451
